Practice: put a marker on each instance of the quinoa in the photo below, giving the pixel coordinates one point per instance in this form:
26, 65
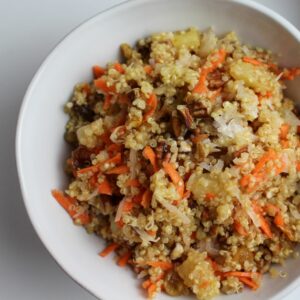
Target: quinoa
185, 159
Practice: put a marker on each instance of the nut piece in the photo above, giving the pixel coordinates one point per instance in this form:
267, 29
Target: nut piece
126, 51
183, 109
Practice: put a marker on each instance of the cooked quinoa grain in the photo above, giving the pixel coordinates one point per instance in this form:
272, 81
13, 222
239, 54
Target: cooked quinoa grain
186, 160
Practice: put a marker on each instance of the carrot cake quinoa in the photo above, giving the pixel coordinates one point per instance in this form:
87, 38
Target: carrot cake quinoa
186, 160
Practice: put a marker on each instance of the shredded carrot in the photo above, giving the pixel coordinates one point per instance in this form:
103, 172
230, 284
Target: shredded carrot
98, 71
201, 87
69, 204
284, 130
271, 209
118, 170
259, 172
210, 196
269, 155
239, 228
120, 223
127, 207
138, 198
148, 69
213, 264
114, 160
164, 265
123, 260
149, 154
284, 144
290, 74
107, 102
101, 84
298, 166
93, 180
114, 148
241, 274
92, 169
175, 177
151, 232
146, 283
278, 220
133, 183
264, 225
146, 199
105, 188
216, 59
252, 61
110, 248
151, 290
118, 67
249, 282
152, 105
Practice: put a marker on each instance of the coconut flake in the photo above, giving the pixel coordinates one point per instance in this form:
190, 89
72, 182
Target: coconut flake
145, 236
173, 209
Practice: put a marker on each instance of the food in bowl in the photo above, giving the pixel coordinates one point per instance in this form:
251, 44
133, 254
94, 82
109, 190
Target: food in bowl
186, 160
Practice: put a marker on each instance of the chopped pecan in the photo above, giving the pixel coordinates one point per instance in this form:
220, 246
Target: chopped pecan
185, 113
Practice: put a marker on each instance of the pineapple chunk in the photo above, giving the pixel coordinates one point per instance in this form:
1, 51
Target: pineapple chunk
189, 38
198, 274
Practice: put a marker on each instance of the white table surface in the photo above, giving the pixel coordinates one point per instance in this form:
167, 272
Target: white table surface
29, 29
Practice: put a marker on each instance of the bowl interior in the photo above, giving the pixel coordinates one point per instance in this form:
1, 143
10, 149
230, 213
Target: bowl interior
41, 149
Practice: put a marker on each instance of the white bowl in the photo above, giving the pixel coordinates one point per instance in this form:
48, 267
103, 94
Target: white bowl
41, 151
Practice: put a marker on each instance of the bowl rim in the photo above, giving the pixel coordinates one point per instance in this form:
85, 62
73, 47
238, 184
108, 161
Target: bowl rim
251, 4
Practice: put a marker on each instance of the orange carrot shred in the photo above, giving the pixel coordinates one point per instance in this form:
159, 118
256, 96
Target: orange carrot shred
252, 61
240, 274
217, 58
249, 282
175, 177
210, 196
239, 228
151, 232
298, 166
284, 130
114, 160
118, 170
164, 265
118, 67
152, 105
146, 199
123, 260
92, 169
98, 71
127, 207
146, 283
290, 74
151, 290
69, 204
264, 225
114, 148
101, 84
148, 69
105, 188
133, 183
110, 248
149, 154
